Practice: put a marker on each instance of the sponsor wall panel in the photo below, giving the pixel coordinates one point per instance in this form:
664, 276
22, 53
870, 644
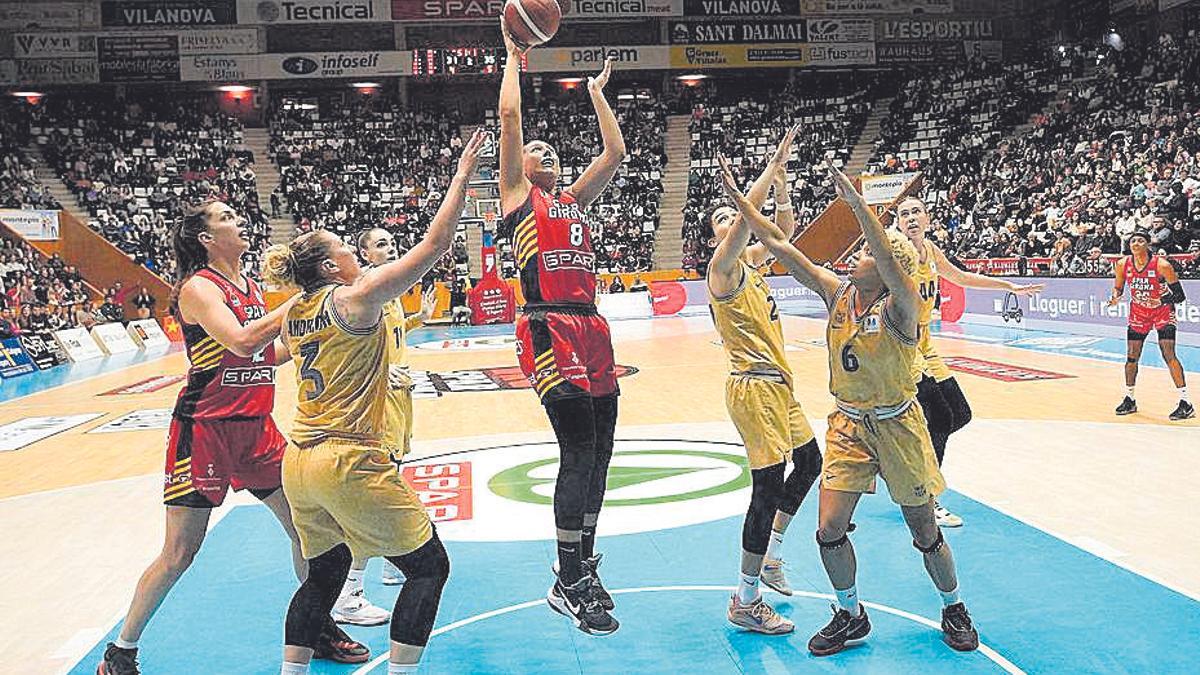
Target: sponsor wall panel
14, 362
733, 31
220, 68
78, 344
33, 225
608, 9
831, 55
64, 15
918, 53
883, 189
840, 30
47, 45
335, 64
140, 13
740, 56
741, 7
443, 10
30, 430
219, 41
552, 59
870, 7
57, 71
139, 58
78, 45
312, 11
935, 29
43, 350
147, 334
333, 37
113, 338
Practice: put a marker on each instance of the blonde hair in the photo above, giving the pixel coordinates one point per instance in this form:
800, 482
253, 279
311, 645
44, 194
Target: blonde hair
297, 264
903, 252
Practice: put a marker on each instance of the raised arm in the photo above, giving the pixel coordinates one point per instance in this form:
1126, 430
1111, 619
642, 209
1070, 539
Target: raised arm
905, 301
514, 186
819, 280
967, 279
596, 176
202, 302
362, 301
785, 216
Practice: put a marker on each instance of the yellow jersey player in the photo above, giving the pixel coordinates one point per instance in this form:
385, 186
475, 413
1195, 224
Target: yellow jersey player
758, 395
946, 408
878, 427
347, 496
377, 247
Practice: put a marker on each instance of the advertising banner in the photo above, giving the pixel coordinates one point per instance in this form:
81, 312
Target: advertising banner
57, 71
139, 13
740, 56
841, 30
25, 15
113, 339
573, 59
43, 350
14, 362
935, 29
138, 420
832, 55
733, 31
883, 189
30, 430
78, 344
147, 334
869, 7
918, 53
492, 300
335, 64
312, 11
54, 45
139, 58
442, 10
220, 68
741, 7
222, 41
33, 225
79, 45
613, 9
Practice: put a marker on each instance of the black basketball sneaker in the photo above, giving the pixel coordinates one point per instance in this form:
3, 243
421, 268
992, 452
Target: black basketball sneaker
1185, 411
579, 602
842, 630
957, 630
1128, 406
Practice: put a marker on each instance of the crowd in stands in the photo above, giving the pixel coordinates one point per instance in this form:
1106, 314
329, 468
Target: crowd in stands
347, 165
745, 128
1118, 151
624, 218
39, 294
19, 188
137, 166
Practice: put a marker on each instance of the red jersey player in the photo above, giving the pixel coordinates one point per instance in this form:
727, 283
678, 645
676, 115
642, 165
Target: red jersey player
563, 344
221, 431
1154, 291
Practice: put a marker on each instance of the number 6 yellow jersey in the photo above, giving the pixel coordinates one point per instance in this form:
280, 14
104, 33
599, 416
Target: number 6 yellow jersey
748, 322
870, 359
342, 376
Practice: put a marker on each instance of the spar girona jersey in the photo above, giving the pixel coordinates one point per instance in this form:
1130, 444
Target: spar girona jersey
221, 384
1145, 285
553, 248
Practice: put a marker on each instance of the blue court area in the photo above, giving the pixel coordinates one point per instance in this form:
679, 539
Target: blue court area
73, 373
1041, 605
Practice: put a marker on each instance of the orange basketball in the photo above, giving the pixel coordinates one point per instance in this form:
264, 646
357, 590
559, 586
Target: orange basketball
532, 22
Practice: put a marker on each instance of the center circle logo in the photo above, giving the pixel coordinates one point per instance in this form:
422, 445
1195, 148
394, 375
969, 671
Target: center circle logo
506, 493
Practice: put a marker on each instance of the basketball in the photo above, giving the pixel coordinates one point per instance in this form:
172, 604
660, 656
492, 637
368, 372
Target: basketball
532, 22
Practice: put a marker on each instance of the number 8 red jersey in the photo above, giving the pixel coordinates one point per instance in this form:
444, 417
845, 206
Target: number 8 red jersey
553, 248
221, 384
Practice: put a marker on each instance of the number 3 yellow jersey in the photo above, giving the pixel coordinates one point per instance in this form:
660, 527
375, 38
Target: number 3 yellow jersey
748, 322
870, 358
342, 373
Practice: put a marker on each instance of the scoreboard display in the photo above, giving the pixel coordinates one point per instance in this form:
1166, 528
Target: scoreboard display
460, 61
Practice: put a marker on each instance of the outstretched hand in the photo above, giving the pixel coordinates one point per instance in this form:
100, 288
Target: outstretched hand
728, 183
784, 151
510, 45
429, 302
596, 84
845, 188
469, 160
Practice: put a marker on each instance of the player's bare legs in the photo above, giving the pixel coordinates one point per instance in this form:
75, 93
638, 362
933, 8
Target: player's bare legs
1185, 410
957, 629
185, 532
850, 620
277, 502
1132, 357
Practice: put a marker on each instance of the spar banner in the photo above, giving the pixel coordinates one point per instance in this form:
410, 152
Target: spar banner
840, 30
139, 13
33, 225
139, 58
14, 362
733, 31
929, 52
335, 64
871, 7
492, 300
444, 10
312, 11
921, 30
57, 71
1074, 301
741, 7
584, 59
44, 350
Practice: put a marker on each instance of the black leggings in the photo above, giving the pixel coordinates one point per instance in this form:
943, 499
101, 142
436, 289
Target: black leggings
946, 410
584, 427
771, 492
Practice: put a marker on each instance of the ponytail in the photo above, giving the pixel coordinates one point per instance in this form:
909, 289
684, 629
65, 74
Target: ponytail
279, 266
297, 264
190, 254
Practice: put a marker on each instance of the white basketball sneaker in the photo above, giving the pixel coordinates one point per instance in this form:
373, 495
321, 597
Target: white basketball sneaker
944, 517
354, 608
392, 576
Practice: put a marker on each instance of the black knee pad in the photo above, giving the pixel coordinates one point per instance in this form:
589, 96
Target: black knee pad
311, 603
960, 409
836, 543
806, 469
934, 547
764, 500
426, 570
604, 416
1130, 359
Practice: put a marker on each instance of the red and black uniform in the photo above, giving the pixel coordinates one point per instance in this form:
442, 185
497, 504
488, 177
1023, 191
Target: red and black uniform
1146, 311
563, 344
221, 431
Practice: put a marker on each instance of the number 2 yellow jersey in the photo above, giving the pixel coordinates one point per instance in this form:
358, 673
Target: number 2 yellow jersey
748, 322
870, 359
342, 374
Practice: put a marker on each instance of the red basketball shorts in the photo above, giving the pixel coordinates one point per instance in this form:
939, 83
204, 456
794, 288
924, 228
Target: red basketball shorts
565, 355
206, 457
1144, 319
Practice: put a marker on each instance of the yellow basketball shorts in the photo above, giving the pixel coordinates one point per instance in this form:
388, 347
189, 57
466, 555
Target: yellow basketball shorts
929, 362
897, 449
768, 418
344, 491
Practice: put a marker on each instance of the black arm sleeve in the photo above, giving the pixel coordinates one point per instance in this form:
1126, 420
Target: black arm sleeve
1176, 295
